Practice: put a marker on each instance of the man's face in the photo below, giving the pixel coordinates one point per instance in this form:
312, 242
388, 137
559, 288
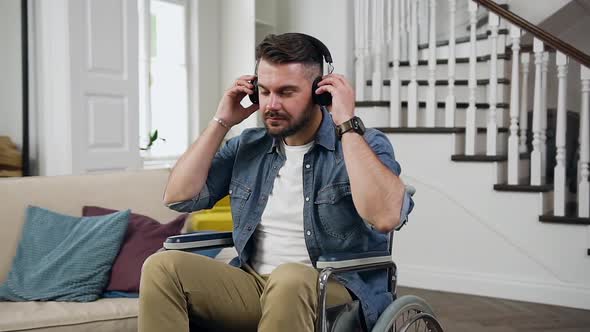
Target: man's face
285, 97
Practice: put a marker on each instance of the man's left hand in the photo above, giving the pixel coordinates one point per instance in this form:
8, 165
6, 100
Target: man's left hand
342, 108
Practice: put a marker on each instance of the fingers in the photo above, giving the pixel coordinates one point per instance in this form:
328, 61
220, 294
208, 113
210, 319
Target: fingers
244, 80
239, 90
330, 83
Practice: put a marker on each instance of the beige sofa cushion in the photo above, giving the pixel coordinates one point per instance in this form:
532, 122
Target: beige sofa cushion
102, 315
140, 191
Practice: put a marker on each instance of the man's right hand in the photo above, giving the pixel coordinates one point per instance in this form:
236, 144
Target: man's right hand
230, 110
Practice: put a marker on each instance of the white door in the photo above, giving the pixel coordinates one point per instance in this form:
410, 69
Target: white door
104, 85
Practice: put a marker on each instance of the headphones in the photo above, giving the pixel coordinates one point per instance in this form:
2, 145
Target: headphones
322, 99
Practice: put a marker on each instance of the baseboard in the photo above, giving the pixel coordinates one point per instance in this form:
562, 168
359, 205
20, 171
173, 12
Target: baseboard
498, 286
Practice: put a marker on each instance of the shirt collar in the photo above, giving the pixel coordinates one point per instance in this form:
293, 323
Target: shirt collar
326, 135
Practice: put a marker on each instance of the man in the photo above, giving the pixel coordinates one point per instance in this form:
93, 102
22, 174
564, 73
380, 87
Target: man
298, 190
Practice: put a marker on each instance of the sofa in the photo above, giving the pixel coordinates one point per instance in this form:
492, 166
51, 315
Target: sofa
141, 191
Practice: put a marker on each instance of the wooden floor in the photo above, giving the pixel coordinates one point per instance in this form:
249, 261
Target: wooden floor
462, 313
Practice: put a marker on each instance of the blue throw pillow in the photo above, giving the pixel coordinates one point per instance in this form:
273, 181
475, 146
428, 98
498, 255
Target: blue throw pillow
64, 258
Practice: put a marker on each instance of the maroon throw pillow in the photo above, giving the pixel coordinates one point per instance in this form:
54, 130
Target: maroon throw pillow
144, 237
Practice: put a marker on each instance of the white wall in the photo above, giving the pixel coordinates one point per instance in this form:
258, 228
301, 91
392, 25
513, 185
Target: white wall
208, 63
463, 236
11, 69
225, 51
331, 21
237, 48
537, 12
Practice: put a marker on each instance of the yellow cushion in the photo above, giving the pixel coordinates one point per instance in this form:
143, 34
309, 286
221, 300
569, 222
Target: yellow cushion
216, 219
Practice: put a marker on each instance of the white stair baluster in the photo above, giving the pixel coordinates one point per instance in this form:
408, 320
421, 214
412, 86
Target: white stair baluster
536, 178
431, 97
470, 130
543, 144
377, 78
492, 123
559, 177
525, 59
422, 11
513, 153
394, 94
404, 29
389, 30
583, 186
450, 100
359, 51
413, 86
366, 40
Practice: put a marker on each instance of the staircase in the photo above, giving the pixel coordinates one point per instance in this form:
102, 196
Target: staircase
502, 204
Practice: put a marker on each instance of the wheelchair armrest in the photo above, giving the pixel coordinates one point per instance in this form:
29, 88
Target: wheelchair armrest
355, 261
199, 240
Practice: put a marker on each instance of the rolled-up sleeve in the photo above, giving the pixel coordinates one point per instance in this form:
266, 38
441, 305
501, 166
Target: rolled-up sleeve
217, 184
382, 147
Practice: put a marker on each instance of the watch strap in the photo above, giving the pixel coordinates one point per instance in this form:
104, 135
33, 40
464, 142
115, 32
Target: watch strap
344, 127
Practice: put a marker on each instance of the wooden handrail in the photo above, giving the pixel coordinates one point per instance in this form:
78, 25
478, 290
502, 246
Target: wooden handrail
537, 32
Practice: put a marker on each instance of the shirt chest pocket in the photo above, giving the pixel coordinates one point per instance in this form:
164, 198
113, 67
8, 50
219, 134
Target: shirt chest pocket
337, 214
238, 194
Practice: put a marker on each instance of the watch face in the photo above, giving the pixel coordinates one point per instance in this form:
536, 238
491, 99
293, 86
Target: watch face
358, 125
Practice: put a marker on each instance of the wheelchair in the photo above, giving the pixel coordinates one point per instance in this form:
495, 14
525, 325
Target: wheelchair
404, 314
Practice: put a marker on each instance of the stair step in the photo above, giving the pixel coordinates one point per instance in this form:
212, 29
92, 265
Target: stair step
431, 130
528, 48
463, 47
461, 105
482, 21
570, 218
387, 82
525, 155
372, 103
478, 158
385, 103
460, 40
377, 114
484, 58
525, 186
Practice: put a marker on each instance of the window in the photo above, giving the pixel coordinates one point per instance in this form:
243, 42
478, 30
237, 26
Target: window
164, 99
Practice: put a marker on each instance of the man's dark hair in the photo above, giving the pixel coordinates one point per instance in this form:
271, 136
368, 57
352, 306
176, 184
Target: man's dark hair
290, 48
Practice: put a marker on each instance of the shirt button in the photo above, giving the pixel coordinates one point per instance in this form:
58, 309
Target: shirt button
307, 166
308, 233
307, 199
249, 227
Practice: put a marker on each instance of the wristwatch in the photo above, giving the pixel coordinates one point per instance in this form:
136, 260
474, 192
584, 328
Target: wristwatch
355, 124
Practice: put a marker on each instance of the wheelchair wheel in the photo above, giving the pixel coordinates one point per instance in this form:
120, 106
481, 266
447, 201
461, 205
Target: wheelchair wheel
408, 314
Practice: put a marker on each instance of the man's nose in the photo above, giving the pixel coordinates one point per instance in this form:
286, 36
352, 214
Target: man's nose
274, 102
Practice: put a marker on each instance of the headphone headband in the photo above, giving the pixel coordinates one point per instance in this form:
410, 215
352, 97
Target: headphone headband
322, 99
319, 46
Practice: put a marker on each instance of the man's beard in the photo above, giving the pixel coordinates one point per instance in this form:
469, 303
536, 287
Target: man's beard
293, 128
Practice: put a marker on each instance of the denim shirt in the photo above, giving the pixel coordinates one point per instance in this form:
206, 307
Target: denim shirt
246, 168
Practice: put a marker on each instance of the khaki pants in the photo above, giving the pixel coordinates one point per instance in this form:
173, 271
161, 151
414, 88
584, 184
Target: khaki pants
176, 286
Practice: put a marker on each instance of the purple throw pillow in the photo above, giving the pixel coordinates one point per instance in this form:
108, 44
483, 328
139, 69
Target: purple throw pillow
144, 237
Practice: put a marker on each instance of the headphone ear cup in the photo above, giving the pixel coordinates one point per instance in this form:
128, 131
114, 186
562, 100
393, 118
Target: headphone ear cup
254, 96
322, 99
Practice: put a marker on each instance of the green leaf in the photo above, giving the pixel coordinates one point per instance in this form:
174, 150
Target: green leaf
154, 136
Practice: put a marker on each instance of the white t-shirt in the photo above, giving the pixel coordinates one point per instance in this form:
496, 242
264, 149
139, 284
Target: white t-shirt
279, 237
